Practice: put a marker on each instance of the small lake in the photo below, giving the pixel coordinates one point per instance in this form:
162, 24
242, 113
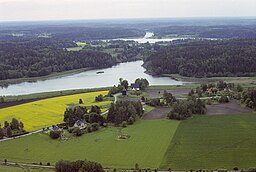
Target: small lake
89, 79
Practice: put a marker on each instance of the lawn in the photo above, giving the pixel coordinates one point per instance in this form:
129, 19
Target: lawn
47, 112
209, 142
146, 146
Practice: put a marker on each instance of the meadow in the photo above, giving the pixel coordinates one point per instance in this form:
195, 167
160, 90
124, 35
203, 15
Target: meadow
210, 142
146, 146
80, 46
44, 113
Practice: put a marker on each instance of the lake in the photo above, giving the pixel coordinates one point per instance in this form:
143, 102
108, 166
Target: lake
89, 79
147, 38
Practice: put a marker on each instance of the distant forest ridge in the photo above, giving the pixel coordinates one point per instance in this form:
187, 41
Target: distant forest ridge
82, 30
31, 49
205, 58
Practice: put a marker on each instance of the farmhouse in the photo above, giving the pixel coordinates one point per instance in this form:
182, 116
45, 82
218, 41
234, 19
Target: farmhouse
124, 92
135, 86
80, 124
56, 128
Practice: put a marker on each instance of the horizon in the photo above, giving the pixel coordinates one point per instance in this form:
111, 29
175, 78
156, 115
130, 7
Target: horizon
130, 19
49, 10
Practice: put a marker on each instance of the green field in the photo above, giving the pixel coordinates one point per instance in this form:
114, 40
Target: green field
146, 146
47, 112
80, 46
210, 142
4, 168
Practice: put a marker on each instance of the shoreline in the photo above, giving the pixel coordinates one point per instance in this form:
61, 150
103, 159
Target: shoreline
4, 83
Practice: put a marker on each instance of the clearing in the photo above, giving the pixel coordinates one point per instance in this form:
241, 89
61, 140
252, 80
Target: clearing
226, 108
157, 113
148, 142
177, 92
44, 113
210, 142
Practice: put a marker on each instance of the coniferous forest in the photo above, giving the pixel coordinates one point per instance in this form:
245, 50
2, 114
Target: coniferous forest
205, 58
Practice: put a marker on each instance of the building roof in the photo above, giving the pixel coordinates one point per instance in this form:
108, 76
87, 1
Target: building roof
55, 128
134, 85
79, 122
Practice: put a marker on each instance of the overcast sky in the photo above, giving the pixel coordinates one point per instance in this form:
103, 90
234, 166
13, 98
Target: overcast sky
100, 9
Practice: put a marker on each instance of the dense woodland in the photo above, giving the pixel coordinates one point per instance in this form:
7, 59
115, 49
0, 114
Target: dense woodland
69, 32
203, 58
19, 61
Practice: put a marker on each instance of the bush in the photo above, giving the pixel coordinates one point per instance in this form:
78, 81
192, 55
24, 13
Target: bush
99, 98
223, 99
55, 134
81, 101
154, 102
95, 126
124, 124
252, 169
77, 131
236, 168
131, 120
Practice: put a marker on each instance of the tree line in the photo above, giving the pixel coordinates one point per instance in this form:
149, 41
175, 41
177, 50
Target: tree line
216, 31
205, 58
13, 128
183, 109
124, 112
78, 166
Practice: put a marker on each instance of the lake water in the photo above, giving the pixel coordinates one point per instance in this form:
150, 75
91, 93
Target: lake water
89, 79
147, 38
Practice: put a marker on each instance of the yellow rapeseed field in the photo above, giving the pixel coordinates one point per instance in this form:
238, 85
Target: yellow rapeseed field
47, 112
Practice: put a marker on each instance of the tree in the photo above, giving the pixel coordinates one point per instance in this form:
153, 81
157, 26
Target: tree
71, 115
1, 100
168, 97
123, 110
21, 125
99, 98
78, 166
223, 99
1, 133
91, 167
9, 131
95, 109
124, 83
6, 124
239, 88
55, 134
77, 131
143, 83
204, 87
15, 124
81, 101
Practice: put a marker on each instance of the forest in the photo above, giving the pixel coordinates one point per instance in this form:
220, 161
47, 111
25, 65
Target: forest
205, 58
214, 31
69, 32
20, 61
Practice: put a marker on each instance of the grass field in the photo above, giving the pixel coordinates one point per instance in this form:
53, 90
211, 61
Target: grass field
146, 146
80, 46
47, 112
4, 168
210, 142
